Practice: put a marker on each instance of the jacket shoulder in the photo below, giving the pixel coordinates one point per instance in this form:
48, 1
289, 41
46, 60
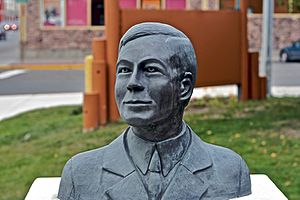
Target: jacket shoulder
79, 169
82, 173
223, 155
87, 159
231, 166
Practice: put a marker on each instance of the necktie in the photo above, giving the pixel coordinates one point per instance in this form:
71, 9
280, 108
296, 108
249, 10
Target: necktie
155, 180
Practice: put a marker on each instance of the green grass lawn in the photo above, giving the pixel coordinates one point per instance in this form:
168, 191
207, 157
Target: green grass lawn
265, 133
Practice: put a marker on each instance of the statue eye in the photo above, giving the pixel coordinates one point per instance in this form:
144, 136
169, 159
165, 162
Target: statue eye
124, 70
151, 69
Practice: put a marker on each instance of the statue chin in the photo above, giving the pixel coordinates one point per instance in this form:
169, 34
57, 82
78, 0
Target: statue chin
138, 118
137, 121
146, 118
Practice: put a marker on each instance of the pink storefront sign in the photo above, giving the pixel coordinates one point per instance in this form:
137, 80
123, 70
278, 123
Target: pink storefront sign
175, 4
127, 3
76, 12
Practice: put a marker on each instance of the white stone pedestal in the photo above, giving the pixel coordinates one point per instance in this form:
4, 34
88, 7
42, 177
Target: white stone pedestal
262, 189
44, 189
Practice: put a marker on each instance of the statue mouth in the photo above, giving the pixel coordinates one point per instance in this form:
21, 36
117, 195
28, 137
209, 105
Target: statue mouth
137, 102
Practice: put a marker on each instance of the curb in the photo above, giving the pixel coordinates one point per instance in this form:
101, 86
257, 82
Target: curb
43, 66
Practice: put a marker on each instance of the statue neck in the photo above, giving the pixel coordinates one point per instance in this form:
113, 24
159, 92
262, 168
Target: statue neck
160, 130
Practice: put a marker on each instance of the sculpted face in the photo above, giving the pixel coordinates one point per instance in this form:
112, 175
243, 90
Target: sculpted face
146, 87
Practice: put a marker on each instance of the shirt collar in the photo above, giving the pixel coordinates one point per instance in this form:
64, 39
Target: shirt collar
170, 151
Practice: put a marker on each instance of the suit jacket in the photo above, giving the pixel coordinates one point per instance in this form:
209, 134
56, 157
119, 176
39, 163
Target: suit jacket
205, 172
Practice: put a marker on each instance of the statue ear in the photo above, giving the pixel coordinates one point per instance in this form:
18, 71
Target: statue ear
186, 86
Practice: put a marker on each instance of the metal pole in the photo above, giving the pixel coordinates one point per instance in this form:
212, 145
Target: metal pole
270, 50
22, 29
238, 4
266, 50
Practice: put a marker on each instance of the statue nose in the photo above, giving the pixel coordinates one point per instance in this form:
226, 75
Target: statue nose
135, 87
134, 83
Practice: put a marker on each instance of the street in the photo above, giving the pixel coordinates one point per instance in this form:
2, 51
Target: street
66, 81
17, 82
286, 74
59, 81
25, 90
9, 48
43, 81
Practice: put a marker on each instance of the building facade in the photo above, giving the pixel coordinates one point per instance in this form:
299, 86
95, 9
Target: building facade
64, 29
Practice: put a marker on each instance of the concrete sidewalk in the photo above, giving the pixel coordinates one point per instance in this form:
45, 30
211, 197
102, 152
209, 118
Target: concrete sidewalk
12, 105
232, 90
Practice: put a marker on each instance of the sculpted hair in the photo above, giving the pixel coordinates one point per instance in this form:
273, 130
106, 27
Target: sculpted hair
183, 59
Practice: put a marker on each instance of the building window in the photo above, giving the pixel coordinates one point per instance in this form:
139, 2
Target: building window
52, 13
72, 13
151, 4
76, 12
175, 4
128, 4
97, 13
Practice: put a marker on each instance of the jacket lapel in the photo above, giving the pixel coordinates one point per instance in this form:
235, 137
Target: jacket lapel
117, 164
115, 158
196, 158
187, 184
130, 188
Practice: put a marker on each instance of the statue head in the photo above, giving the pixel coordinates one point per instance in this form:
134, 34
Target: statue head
156, 73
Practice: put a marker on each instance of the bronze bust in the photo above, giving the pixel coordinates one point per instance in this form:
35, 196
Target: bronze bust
158, 156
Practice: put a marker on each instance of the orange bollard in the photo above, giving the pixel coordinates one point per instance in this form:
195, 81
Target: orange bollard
103, 95
99, 77
90, 111
99, 48
99, 84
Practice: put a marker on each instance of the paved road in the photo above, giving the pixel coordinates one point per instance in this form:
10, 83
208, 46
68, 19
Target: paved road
286, 74
35, 82
59, 81
39, 82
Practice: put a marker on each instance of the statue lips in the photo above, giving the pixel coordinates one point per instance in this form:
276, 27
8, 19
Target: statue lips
136, 102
